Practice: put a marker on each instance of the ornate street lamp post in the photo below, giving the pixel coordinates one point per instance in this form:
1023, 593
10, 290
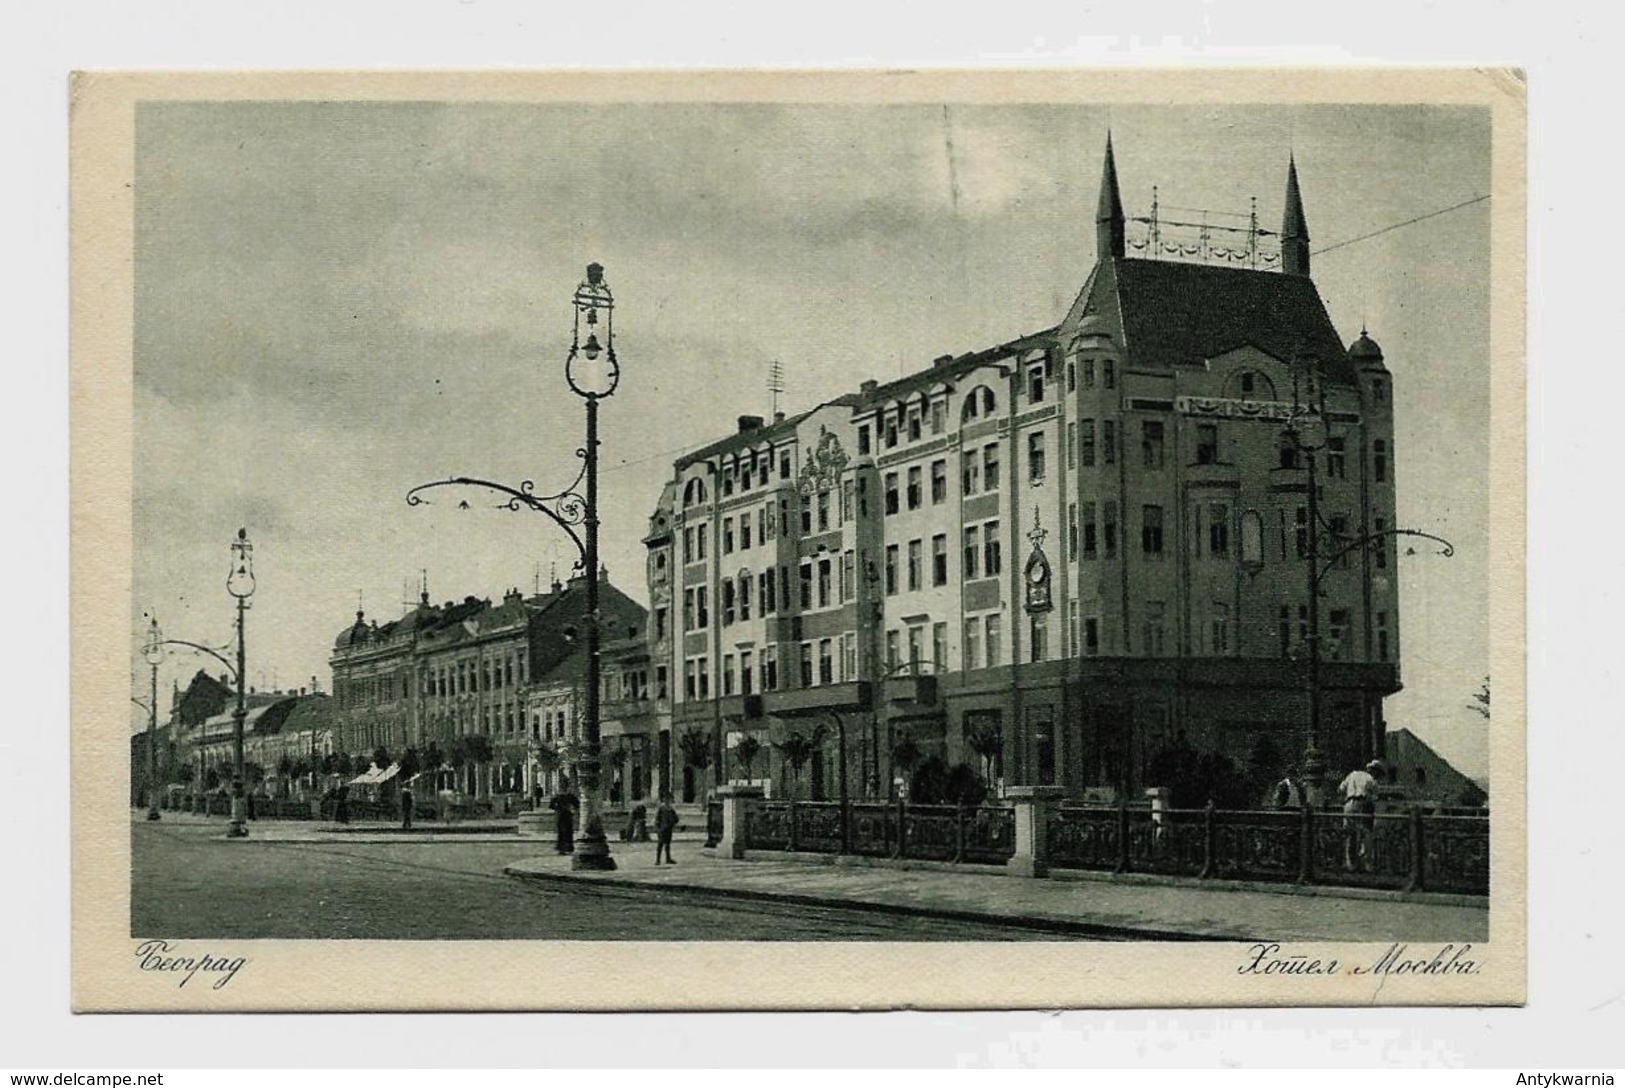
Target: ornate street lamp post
1306, 429
592, 372
153, 651
240, 584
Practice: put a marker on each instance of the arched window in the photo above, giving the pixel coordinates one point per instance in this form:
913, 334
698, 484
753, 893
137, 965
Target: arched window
987, 401
980, 402
968, 411
694, 493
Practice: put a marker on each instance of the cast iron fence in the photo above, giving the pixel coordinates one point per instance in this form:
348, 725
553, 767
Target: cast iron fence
1403, 851
984, 835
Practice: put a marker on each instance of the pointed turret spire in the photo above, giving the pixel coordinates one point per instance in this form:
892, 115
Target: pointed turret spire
1294, 228
1109, 232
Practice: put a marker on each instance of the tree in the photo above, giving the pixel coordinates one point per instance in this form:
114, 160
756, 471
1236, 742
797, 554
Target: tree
746, 751
986, 739
696, 748
479, 748
936, 783
253, 773
284, 766
547, 758
796, 749
965, 786
380, 757
1481, 700
411, 764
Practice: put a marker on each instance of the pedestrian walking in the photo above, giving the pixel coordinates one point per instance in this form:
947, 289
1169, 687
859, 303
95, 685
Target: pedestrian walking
406, 807
665, 827
1287, 794
1359, 791
563, 805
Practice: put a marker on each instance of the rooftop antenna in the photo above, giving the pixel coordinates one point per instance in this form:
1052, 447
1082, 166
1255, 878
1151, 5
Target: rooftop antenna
360, 601
537, 590
775, 383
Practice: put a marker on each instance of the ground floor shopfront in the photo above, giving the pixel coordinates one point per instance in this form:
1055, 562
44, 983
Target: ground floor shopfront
1101, 728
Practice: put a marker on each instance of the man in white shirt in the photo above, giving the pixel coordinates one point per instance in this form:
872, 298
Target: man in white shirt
1359, 791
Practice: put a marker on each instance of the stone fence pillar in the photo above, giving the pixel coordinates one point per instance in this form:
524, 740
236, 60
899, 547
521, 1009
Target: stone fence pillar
734, 801
1034, 805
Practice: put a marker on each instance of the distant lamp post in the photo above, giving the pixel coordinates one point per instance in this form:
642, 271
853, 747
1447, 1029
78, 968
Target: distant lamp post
1306, 429
153, 651
592, 372
240, 584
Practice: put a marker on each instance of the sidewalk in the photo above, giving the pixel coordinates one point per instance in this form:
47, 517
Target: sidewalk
379, 831
1102, 907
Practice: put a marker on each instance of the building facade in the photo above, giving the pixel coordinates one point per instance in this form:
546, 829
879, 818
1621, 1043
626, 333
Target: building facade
1058, 558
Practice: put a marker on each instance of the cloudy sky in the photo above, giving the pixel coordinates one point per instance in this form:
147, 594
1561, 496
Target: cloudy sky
335, 302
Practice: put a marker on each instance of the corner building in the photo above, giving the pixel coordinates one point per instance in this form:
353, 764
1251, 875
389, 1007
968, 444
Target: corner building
1090, 542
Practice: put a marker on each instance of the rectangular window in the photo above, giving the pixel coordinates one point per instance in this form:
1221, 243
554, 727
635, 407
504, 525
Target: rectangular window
1071, 375
1151, 530
1336, 451
1035, 385
1382, 636
893, 648
1151, 443
744, 533
1086, 450
1035, 458
891, 569
971, 551
1088, 366
688, 544
846, 501
1207, 443
1339, 631
849, 656
702, 602
764, 525
660, 625
727, 595
916, 564
849, 583
1219, 630
1038, 638
939, 647
1218, 530
939, 416
744, 596
994, 625
825, 571
784, 465
863, 439
1379, 460
990, 467
1339, 526
806, 514
991, 564
1109, 529
826, 661
823, 511
913, 424
727, 674
1300, 535
1152, 631
916, 496
891, 493
1109, 440
727, 536
747, 674
702, 534
703, 667
1089, 530
1072, 531
1379, 546
806, 665
1108, 373
973, 645
764, 590
971, 473
770, 669
691, 688
1072, 444
806, 585
939, 482
688, 610
891, 431
916, 647
1091, 636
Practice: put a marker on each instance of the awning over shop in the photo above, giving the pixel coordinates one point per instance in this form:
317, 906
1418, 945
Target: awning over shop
373, 776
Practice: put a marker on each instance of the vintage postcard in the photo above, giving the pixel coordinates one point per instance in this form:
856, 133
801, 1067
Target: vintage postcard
800, 540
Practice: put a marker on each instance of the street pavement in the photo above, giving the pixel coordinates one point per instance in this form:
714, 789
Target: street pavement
1103, 908
292, 880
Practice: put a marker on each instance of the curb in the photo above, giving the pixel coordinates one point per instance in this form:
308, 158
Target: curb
1048, 925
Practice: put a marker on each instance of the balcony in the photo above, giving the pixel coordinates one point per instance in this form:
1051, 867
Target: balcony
856, 695
1212, 473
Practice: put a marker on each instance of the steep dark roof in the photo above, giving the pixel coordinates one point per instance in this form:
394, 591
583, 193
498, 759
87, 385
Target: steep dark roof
956, 367
1172, 313
309, 712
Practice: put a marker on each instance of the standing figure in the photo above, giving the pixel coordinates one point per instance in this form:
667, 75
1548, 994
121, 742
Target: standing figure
1359, 791
406, 807
665, 827
564, 808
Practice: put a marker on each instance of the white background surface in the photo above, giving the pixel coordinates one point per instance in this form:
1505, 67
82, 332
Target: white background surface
1576, 1013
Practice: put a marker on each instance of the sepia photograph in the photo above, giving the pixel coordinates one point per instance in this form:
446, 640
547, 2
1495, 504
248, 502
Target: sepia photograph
817, 514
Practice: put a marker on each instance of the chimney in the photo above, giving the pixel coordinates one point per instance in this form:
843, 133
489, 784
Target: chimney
941, 360
868, 387
749, 423
778, 417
